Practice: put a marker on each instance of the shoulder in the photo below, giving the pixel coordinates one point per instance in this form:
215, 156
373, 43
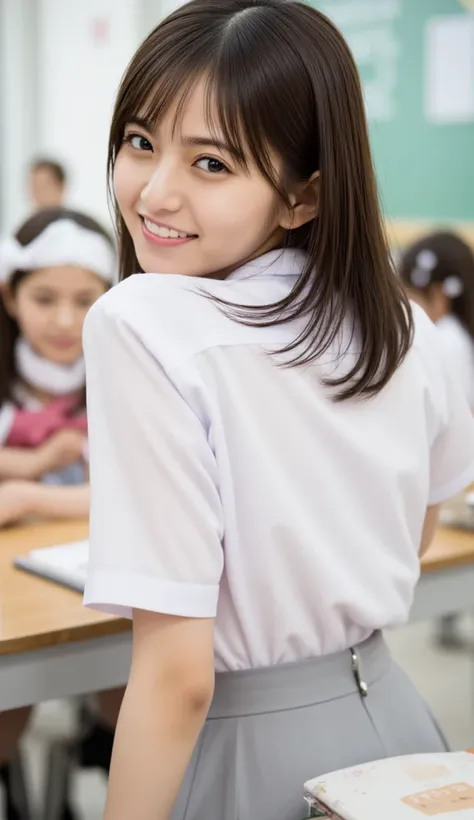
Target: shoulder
454, 337
426, 338
443, 365
427, 350
170, 316
446, 342
176, 317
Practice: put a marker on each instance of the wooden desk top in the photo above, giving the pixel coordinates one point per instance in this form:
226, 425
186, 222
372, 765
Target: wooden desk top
35, 613
450, 548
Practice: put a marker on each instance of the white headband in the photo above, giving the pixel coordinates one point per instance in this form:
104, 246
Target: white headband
420, 276
64, 242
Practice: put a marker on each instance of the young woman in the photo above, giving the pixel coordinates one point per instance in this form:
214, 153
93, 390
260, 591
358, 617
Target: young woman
269, 433
438, 272
51, 272
53, 269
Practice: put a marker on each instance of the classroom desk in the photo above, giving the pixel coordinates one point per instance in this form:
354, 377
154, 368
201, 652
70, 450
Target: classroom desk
51, 646
447, 580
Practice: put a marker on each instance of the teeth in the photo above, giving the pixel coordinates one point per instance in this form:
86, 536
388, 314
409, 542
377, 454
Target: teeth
166, 233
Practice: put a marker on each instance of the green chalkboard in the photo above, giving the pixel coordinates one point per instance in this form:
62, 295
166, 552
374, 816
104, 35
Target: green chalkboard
421, 120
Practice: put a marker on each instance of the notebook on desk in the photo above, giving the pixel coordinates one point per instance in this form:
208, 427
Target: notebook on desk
399, 788
65, 564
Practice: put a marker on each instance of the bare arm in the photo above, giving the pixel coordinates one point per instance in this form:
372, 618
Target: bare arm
29, 499
429, 528
19, 462
30, 463
163, 711
49, 501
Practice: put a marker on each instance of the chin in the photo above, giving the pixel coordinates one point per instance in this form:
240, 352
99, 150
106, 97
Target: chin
169, 261
64, 357
150, 264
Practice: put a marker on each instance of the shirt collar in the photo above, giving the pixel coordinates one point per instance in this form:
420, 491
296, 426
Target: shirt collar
281, 262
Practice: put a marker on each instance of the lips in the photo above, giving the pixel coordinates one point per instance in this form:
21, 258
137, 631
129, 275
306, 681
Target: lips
63, 342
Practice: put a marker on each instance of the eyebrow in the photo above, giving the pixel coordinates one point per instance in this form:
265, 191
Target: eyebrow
210, 142
203, 142
142, 122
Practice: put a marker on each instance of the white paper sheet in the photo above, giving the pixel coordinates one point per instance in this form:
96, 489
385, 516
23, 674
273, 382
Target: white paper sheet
65, 564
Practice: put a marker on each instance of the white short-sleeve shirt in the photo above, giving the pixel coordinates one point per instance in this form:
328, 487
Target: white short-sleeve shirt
227, 486
458, 348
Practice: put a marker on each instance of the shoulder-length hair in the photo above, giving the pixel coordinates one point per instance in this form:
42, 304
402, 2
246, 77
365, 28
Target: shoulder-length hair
280, 75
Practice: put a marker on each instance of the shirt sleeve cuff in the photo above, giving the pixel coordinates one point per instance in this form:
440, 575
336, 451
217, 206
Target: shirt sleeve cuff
453, 487
118, 594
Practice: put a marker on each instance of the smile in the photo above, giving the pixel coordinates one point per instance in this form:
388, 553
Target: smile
164, 235
163, 231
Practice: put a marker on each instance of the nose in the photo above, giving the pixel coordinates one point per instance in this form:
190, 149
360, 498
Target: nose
65, 316
162, 191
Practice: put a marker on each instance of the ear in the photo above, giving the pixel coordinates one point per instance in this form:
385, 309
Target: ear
9, 300
304, 203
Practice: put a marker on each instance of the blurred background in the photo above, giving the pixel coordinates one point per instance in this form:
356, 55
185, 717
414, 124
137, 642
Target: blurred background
61, 62
60, 65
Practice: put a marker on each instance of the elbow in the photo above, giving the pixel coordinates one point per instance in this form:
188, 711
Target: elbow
186, 689
196, 692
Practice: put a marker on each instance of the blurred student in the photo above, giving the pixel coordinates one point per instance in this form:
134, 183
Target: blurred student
53, 269
438, 272
51, 272
47, 184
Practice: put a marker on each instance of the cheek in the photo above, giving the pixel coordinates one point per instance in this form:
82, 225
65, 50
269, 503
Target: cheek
253, 209
31, 319
127, 182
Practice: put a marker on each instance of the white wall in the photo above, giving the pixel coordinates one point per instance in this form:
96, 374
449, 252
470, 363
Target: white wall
83, 49
60, 65
18, 104
155, 10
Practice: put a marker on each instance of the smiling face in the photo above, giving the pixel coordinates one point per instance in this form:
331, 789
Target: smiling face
50, 306
191, 206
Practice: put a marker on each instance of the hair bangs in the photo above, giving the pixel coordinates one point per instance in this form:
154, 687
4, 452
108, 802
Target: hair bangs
233, 116
283, 94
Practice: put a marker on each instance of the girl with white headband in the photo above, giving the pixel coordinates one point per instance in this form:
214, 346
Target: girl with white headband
53, 269
51, 272
438, 272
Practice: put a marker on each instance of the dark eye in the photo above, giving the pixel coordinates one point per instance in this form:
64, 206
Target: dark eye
138, 142
211, 165
44, 300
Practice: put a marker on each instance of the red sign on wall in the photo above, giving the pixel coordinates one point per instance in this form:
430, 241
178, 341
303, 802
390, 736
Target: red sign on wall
100, 30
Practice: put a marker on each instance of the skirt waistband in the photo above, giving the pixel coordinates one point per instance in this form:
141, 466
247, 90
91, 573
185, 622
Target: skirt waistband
305, 683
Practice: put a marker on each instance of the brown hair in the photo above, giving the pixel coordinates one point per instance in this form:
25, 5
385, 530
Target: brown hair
451, 256
55, 168
9, 330
281, 75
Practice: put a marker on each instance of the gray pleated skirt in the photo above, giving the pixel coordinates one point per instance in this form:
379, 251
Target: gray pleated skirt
269, 730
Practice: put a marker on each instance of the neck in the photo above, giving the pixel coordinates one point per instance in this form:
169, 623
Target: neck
274, 242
